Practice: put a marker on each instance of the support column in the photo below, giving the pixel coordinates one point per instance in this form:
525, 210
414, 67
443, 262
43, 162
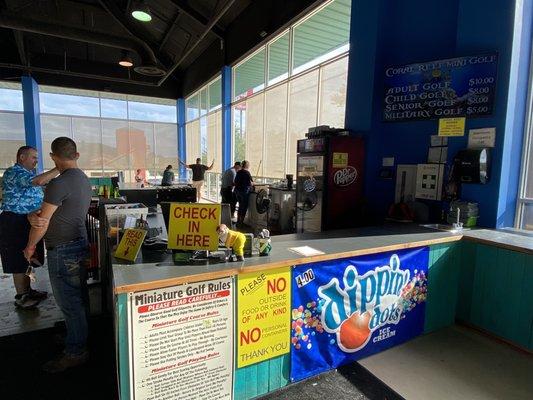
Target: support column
226, 118
32, 117
182, 145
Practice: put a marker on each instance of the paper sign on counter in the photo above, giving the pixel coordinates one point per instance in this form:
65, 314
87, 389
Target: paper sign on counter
452, 126
306, 251
193, 226
181, 342
263, 310
130, 244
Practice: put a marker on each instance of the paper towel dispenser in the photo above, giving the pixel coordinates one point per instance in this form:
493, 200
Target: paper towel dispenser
472, 165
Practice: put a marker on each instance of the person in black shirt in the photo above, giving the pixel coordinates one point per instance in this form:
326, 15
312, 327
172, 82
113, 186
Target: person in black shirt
198, 175
243, 187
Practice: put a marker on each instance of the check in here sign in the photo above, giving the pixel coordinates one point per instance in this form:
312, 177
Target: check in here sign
193, 226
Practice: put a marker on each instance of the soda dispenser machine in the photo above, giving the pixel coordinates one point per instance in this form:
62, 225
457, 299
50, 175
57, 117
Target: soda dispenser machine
329, 185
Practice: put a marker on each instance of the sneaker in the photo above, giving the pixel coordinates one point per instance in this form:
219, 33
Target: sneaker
25, 302
37, 294
65, 361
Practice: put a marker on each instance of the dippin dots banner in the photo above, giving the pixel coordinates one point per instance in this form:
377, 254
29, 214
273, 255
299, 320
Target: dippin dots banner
344, 310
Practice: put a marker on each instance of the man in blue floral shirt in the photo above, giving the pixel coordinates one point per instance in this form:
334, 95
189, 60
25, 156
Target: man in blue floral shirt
22, 194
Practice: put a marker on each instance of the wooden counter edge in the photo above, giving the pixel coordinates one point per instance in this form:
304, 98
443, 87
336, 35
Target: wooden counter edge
191, 278
497, 243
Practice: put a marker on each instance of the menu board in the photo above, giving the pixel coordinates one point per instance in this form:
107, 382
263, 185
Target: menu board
181, 342
456, 87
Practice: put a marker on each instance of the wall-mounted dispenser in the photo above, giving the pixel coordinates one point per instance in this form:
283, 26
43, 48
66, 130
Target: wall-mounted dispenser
472, 165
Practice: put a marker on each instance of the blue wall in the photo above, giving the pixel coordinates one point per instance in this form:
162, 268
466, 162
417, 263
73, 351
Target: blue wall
421, 30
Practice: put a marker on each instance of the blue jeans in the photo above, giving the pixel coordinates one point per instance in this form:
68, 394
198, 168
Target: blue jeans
68, 277
243, 197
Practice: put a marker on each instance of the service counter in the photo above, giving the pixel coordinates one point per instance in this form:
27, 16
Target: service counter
240, 330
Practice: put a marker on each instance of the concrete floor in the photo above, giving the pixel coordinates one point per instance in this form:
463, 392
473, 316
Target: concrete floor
455, 363
15, 321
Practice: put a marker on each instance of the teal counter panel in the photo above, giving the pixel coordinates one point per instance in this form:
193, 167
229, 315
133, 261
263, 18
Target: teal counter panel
261, 378
496, 292
443, 279
122, 344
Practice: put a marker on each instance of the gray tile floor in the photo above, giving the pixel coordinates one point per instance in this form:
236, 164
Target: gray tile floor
455, 363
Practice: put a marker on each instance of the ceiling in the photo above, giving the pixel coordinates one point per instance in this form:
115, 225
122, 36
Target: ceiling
78, 43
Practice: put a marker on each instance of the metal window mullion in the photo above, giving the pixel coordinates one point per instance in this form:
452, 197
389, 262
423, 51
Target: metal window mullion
319, 96
287, 123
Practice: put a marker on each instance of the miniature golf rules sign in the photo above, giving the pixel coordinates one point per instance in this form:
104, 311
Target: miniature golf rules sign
344, 310
263, 305
181, 342
193, 226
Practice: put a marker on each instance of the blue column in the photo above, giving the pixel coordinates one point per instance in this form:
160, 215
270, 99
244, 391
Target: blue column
182, 145
32, 116
226, 118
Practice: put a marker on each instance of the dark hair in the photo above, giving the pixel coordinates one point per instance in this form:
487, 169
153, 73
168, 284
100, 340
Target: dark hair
24, 150
64, 148
243, 163
198, 160
237, 164
169, 166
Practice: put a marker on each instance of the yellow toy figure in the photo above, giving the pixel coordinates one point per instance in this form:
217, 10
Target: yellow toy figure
232, 240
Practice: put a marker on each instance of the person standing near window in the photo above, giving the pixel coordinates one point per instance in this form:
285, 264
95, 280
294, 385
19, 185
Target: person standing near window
61, 222
168, 177
198, 175
243, 186
228, 181
22, 194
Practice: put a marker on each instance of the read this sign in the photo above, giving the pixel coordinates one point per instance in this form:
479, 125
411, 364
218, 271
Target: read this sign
193, 226
130, 244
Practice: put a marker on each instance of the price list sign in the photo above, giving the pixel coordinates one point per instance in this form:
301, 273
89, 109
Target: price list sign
456, 87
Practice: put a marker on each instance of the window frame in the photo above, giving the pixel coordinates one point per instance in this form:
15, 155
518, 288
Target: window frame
527, 155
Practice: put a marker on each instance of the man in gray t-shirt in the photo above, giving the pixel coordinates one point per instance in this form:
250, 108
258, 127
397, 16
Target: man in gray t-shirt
61, 221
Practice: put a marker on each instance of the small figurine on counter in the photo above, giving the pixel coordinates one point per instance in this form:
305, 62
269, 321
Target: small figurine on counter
264, 242
232, 240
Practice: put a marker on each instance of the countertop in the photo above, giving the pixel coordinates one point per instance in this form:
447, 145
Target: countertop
502, 238
157, 270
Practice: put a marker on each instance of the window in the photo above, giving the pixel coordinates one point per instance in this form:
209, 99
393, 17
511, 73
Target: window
306, 76
321, 36
55, 103
303, 100
215, 94
249, 76
11, 137
333, 78
113, 132
278, 59
11, 97
203, 130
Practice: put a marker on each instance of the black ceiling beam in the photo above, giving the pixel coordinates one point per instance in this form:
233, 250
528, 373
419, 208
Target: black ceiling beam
80, 35
54, 71
169, 31
19, 40
192, 13
207, 29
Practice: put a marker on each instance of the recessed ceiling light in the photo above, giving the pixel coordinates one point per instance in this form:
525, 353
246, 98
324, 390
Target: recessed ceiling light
125, 60
141, 12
